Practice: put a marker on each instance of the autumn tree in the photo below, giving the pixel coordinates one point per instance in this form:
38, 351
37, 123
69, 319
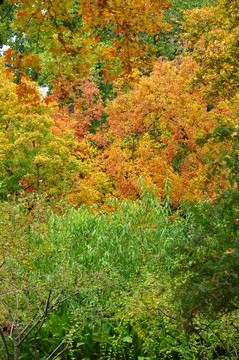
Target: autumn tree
72, 32
162, 129
170, 44
213, 33
31, 155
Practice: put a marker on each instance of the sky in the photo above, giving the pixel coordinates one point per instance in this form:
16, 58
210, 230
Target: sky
4, 48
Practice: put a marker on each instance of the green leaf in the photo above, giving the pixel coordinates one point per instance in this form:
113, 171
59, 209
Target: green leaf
127, 339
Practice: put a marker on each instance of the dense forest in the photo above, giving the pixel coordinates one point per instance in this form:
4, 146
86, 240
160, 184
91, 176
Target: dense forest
119, 201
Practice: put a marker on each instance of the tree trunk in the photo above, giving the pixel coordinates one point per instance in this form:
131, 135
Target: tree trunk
16, 352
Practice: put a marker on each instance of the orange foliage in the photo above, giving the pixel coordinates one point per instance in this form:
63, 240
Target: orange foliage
80, 105
162, 129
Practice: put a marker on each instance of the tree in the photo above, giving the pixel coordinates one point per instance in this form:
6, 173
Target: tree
72, 31
169, 44
213, 34
31, 155
80, 105
162, 129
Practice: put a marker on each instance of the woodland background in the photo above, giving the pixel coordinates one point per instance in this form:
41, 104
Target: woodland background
119, 188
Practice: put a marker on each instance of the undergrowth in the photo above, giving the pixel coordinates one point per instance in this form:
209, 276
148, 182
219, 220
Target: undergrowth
138, 283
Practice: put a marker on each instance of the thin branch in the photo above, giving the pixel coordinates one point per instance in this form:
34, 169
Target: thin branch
62, 301
29, 324
59, 295
7, 12
5, 344
189, 344
37, 331
9, 310
19, 289
63, 341
14, 318
65, 349
7, 292
40, 318
236, 327
28, 332
47, 302
215, 319
209, 345
219, 338
168, 316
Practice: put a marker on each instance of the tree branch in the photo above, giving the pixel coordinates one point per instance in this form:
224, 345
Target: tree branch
63, 341
7, 12
5, 344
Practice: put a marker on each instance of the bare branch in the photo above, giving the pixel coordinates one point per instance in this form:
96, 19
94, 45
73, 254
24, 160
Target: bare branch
8, 309
63, 300
63, 341
58, 296
19, 289
65, 349
47, 302
28, 332
14, 318
5, 344
41, 317
6, 13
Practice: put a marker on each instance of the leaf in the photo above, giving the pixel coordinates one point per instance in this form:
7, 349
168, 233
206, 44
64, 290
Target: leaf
127, 339
229, 251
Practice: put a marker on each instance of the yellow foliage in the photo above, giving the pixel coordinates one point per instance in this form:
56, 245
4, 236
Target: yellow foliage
31, 156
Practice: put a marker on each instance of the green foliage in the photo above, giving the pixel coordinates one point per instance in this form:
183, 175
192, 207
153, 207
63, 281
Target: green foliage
229, 159
134, 273
211, 256
6, 17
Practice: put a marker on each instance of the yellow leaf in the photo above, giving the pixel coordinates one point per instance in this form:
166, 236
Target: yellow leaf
229, 251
